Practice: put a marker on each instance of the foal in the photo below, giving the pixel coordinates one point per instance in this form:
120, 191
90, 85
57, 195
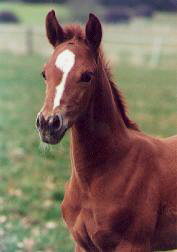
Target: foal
122, 195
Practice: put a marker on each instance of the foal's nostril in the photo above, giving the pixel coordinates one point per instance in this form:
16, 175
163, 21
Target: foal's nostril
55, 122
40, 122
37, 122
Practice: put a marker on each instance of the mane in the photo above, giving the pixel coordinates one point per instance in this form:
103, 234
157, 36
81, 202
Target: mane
122, 106
75, 31
118, 97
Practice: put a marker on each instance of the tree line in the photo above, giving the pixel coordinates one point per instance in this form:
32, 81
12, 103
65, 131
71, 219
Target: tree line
160, 5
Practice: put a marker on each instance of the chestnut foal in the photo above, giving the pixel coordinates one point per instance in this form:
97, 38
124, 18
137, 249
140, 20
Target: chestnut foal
122, 195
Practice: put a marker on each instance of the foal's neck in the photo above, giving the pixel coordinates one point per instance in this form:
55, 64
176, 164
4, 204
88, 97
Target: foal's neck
100, 134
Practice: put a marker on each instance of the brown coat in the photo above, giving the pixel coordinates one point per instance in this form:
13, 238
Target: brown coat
122, 195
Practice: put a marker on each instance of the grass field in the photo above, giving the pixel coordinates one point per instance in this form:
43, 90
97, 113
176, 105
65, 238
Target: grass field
32, 176
34, 14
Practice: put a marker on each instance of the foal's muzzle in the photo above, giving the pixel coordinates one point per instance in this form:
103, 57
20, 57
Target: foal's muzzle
51, 129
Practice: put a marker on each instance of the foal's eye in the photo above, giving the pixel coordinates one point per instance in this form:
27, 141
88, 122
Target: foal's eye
43, 75
86, 77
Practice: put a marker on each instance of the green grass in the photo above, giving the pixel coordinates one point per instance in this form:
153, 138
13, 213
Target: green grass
32, 176
165, 18
34, 14
152, 98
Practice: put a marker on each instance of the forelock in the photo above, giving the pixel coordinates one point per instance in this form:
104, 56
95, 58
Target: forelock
74, 31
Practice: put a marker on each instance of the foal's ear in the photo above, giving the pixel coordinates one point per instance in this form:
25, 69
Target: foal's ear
93, 31
54, 31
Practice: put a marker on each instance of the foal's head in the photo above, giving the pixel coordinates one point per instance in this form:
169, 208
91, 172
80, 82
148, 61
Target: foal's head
69, 76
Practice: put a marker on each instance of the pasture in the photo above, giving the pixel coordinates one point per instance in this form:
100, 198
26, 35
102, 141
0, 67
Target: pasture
147, 42
33, 14
32, 175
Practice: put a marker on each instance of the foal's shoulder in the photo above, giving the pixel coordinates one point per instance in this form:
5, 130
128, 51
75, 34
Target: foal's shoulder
149, 150
146, 143
171, 151
171, 141
160, 152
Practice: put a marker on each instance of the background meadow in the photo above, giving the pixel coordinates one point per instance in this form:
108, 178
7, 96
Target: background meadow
33, 175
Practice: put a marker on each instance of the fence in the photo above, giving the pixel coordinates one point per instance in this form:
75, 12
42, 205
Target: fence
142, 46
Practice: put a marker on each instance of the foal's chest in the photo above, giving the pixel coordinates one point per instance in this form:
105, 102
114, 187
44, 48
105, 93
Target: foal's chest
79, 219
91, 231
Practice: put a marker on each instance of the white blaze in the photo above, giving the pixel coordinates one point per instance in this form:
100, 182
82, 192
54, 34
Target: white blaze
65, 61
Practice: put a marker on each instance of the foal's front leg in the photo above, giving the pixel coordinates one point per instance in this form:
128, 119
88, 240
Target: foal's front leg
125, 246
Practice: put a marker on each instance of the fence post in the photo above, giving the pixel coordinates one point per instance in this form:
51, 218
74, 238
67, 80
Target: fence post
156, 51
29, 41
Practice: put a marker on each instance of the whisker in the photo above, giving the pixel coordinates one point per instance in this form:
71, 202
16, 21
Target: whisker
45, 148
